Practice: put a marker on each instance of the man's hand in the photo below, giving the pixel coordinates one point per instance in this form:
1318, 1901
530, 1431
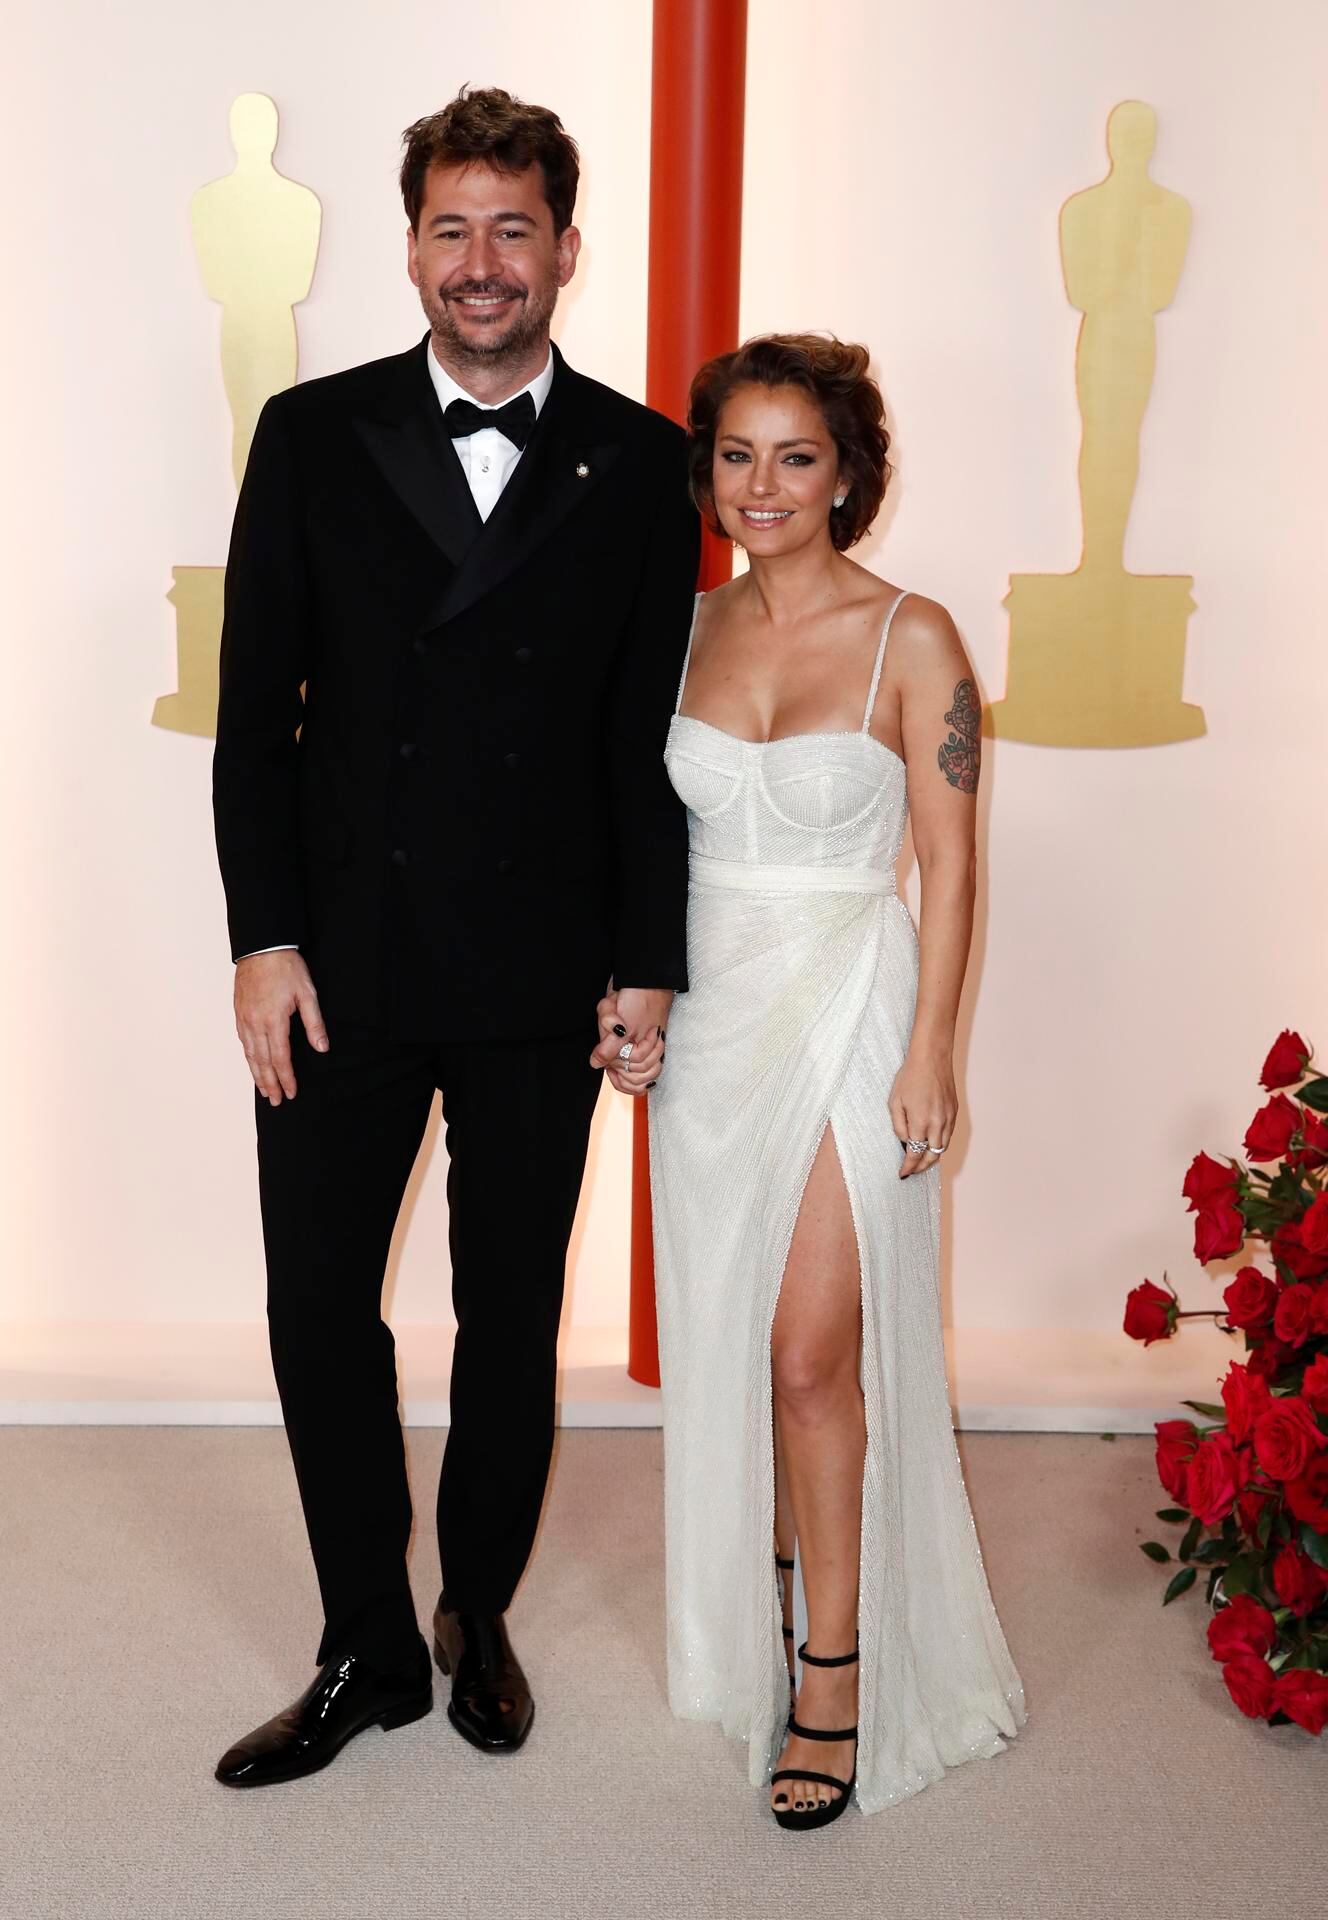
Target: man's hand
635, 1017
269, 988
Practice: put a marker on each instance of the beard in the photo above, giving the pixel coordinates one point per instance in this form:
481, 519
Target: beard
493, 348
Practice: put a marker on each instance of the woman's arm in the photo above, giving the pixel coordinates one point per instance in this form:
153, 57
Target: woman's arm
940, 721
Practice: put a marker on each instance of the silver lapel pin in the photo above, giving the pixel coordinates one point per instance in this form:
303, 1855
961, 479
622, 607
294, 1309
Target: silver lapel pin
582, 470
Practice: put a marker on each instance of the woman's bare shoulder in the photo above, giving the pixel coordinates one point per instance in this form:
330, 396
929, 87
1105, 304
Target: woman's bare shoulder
923, 636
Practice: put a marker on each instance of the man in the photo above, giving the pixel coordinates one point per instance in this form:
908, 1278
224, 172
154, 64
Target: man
478, 566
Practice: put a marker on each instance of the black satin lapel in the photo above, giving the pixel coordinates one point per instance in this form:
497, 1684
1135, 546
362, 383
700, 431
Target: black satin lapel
420, 465
556, 474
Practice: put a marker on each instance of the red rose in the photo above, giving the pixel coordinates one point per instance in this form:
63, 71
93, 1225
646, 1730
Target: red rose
1314, 1131
1218, 1232
1286, 1061
1298, 1583
1176, 1441
1314, 1387
1291, 1322
1290, 1249
1215, 1476
1314, 1224
1245, 1396
1302, 1694
1251, 1298
1307, 1496
1249, 1506
1208, 1182
1286, 1438
1252, 1684
1242, 1627
1269, 1133
1319, 1309
1150, 1314
1269, 1358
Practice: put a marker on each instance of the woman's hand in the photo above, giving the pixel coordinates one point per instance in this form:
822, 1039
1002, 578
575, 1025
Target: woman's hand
923, 1106
632, 1019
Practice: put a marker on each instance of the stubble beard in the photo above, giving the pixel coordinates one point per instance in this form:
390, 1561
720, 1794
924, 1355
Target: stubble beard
498, 349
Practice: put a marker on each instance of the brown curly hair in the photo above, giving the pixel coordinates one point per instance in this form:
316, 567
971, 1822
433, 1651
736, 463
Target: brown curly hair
489, 124
834, 372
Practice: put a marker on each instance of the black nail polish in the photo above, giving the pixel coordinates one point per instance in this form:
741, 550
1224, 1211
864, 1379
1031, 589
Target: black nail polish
621, 1032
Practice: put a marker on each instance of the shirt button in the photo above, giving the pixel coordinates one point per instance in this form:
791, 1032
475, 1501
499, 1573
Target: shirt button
524, 655
506, 866
399, 856
511, 759
406, 749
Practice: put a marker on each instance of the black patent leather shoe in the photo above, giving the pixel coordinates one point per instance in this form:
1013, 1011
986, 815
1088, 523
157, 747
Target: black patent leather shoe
346, 1698
491, 1704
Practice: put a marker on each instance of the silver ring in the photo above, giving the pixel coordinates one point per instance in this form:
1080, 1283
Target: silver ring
916, 1146
938, 1151
625, 1053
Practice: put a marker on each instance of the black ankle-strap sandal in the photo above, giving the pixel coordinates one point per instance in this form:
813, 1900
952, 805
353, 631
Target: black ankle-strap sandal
803, 1822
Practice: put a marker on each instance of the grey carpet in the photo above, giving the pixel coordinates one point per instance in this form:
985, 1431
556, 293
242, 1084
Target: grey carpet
157, 1601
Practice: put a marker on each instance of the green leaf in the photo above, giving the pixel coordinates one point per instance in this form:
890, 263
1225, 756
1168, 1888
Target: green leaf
1174, 1514
1314, 1094
1207, 1409
1315, 1545
1210, 1551
1242, 1576
1182, 1583
1186, 1548
1106, 1436
1155, 1550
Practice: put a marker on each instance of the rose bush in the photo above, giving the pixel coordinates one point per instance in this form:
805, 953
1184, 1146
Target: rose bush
1249, 1477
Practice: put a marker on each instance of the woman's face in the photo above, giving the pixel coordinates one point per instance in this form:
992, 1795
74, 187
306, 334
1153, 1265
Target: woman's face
776, 470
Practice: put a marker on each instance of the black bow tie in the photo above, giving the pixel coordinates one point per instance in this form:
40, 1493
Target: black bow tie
516, 421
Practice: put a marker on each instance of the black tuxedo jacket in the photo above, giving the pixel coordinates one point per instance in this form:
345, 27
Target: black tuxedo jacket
465, 822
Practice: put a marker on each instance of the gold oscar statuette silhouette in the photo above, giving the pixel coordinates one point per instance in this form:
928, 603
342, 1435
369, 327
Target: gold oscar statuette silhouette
1097, 656
256, 237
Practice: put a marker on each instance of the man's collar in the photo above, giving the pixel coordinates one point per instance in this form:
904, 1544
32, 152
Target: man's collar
449, 389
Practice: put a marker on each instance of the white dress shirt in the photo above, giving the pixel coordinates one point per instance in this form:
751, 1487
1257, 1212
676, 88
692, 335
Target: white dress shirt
488, 457
488, 460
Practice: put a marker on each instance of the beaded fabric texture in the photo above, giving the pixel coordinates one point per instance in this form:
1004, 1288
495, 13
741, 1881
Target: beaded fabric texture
804, 964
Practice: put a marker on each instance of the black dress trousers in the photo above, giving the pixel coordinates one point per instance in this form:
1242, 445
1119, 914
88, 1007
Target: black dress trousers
333, 1167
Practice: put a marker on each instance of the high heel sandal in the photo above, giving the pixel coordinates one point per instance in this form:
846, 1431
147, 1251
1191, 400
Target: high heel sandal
818, 1816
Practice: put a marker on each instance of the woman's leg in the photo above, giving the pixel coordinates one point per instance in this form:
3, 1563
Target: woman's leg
821, 1423
786, 1540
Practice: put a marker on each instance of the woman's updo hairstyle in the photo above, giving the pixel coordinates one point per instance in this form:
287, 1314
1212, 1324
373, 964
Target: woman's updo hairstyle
834, 372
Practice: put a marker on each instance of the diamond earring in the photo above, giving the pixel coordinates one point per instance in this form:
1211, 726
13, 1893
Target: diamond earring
840, 498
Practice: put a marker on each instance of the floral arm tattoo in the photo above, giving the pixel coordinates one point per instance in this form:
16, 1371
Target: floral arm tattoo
961, 756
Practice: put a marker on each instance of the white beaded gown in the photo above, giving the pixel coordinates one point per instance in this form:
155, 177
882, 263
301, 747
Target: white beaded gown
803, 967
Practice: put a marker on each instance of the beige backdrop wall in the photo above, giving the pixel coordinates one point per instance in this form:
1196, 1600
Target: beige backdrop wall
1150, 917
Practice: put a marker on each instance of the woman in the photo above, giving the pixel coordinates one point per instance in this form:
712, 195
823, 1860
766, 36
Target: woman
805, 1399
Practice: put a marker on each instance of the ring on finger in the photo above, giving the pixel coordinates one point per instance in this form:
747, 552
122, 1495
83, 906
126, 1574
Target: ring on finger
916, 1146
625, 1051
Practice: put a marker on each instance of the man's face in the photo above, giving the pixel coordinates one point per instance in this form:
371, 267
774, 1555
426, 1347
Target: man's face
487, 262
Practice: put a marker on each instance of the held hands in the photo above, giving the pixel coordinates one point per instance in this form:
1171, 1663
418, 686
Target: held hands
269, 988
633, 1017
923, 1107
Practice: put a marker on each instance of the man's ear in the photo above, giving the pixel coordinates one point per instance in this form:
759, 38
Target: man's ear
412, 257
569, 246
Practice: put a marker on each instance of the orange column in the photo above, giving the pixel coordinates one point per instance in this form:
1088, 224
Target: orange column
698, 88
